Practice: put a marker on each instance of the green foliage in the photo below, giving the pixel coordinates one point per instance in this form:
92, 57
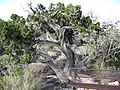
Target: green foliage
51, 47
87, 25
13, 37
5, 59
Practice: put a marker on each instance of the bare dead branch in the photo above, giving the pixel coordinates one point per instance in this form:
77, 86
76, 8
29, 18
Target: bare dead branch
60, 74
55, 27
49, 37
46, 42
55, 13
66, 50
31, 8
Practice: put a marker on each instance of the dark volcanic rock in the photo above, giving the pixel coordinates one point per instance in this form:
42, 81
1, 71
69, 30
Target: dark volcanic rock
49, 83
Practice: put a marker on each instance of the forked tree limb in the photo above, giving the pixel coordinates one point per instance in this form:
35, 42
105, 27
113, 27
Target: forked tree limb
59, 72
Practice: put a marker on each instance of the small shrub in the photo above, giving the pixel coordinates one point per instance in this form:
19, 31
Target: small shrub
16, 81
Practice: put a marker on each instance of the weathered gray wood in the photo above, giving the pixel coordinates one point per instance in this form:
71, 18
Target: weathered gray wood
96, 74
93, 86
100, 74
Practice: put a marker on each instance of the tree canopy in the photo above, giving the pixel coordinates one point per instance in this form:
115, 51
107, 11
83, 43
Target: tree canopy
25, 39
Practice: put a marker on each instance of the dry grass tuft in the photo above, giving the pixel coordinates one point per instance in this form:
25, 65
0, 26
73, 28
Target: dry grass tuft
15, 81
